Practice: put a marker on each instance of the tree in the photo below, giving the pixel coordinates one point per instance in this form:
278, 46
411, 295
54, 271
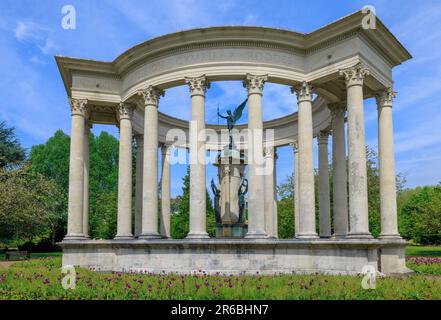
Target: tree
27, 204
51, 159
11, 152
420, 217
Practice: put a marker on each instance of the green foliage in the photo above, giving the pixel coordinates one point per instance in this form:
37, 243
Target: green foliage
40, 279
51, 159
11, 152
180, 219
285, 212
285, 192
420, 217
27, 205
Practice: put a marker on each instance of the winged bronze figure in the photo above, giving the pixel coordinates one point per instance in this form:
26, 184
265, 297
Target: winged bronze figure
232, 117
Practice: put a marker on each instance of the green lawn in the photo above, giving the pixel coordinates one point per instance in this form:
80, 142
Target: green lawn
41, 279
423, 251
38, 255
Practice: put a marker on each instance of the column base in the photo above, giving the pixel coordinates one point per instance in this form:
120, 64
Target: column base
124, 237
390, 237
359, 235
197, 235
339, 236
312, 235
148, 236
256, 235
75, 236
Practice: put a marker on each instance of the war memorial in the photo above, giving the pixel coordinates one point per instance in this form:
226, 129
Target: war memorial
331, 72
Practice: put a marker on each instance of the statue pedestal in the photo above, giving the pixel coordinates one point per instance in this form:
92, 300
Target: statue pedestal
238, 230
231, 170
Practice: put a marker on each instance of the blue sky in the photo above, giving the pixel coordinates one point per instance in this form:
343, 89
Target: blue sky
33, 98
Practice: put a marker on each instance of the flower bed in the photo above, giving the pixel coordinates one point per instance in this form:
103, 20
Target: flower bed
41, 279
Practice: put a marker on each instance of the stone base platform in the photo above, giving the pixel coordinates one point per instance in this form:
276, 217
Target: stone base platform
238, 256
238, 230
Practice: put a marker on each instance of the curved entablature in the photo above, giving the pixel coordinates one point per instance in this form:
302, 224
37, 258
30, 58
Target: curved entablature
229, 53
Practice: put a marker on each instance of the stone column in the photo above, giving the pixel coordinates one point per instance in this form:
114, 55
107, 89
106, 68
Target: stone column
276, 222
138, 192
324, 199
269, 192
198, 226
357, 173
296, 188
339, 171
79, 110
124, 223
256, 216
88, 126
306, 163
165, 192
150, 98
386, 159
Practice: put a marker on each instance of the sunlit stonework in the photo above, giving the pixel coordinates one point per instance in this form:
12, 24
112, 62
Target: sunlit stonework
247, 232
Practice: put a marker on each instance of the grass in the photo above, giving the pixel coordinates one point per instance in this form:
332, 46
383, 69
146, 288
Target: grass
423, 251
41, 279
37, 255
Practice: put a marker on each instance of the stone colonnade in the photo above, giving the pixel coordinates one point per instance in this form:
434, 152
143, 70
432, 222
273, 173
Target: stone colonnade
350, 209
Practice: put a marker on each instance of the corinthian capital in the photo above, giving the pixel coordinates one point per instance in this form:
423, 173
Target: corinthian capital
322, 136
79, 107
198, 85
385, 97
355, 75
125, 110
303, 91
150, 96
337, 109
255, 84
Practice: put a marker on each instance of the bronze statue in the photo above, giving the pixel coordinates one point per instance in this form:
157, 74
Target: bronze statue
243, 189
232, 118
216, 193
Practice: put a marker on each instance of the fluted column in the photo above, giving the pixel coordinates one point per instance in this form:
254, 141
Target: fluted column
296, 189
357, 173
324, 198
256, 216
165, 192
88, 126
269, 192
79, 111
306, 163
138, 192
339, 171
386, 159
198, 226
150, 98
124, 223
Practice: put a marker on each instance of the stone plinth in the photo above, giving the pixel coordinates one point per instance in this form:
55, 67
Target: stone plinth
231, 170
237, 256
238, 230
